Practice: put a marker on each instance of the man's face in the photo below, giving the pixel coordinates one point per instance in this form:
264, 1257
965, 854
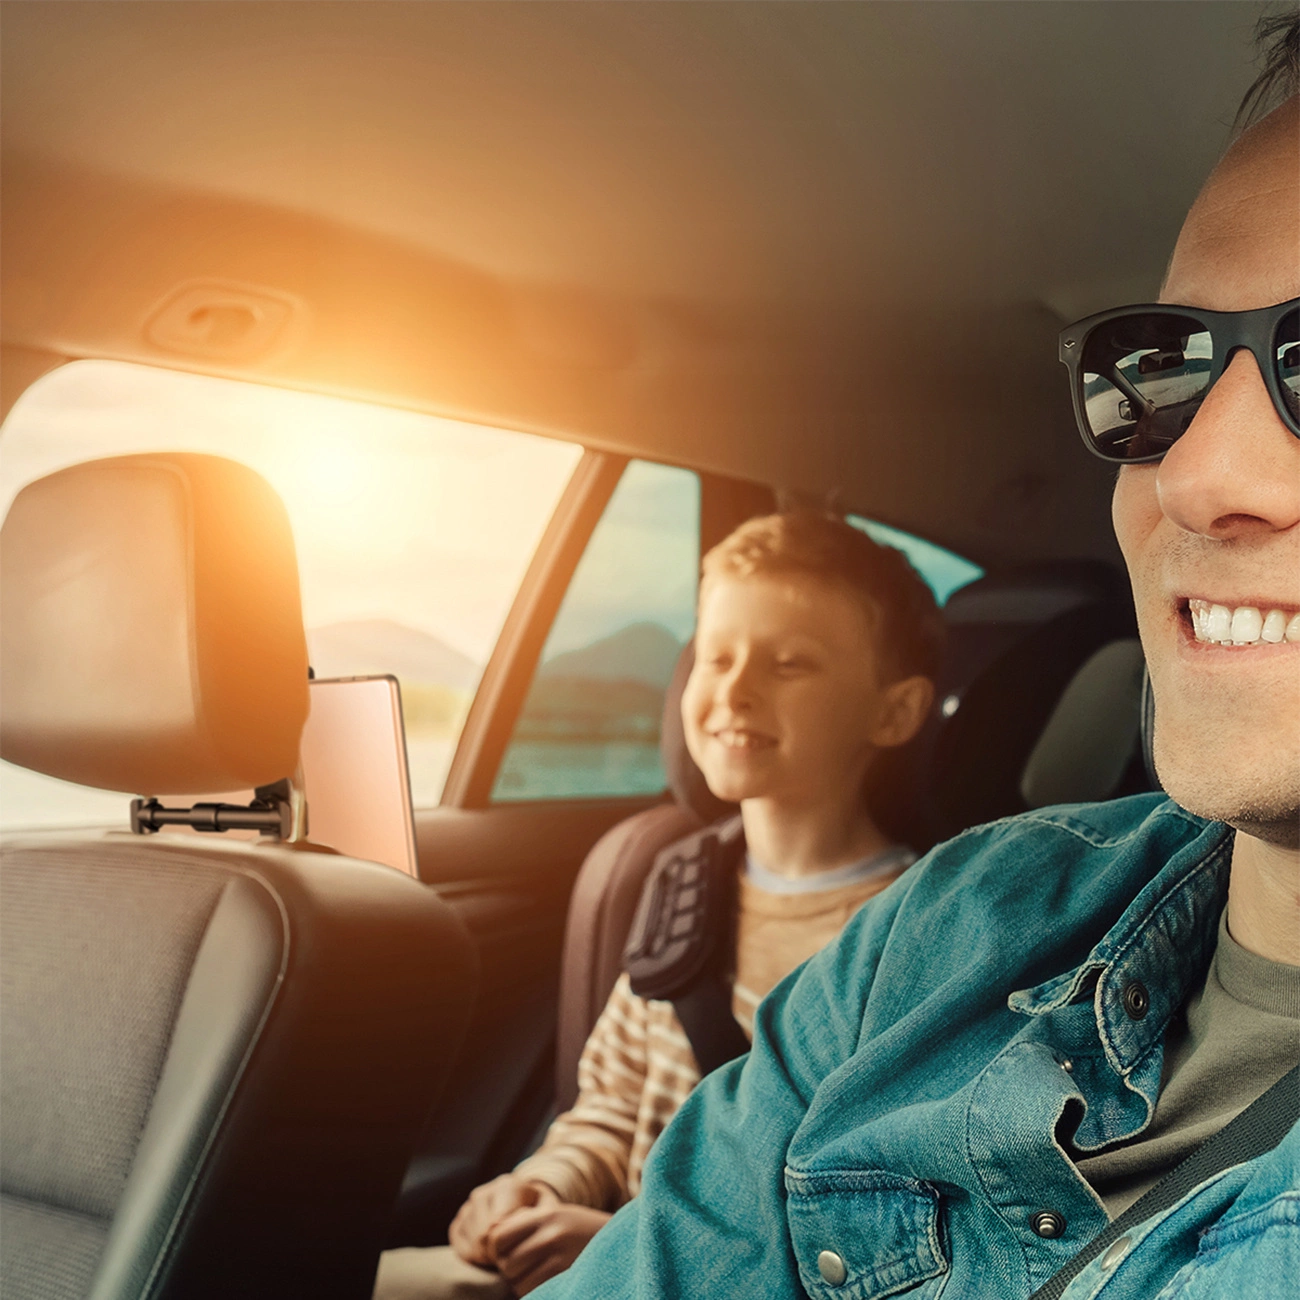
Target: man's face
1218, 519
784, 701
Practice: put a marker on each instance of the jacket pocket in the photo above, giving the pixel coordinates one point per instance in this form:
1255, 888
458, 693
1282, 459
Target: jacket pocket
863, 1234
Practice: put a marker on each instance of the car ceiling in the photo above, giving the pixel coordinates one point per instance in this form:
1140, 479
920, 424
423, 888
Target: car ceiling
826, 246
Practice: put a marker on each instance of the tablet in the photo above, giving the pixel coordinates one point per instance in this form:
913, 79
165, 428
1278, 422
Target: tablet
354, 771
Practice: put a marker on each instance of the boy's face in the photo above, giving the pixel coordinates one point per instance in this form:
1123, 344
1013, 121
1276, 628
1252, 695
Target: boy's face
785, 699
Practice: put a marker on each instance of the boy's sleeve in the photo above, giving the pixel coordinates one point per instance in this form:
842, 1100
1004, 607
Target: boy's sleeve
585, 1154
711, 1219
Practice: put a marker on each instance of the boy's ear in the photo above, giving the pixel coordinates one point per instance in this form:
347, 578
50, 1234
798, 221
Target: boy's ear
904, 708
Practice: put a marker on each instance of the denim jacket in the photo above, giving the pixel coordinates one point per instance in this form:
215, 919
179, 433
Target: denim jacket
900, 1126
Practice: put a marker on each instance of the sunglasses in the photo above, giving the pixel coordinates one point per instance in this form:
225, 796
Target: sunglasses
1138, 375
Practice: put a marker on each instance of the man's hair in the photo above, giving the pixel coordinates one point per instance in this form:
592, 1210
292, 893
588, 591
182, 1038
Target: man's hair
901, 608
1278, 37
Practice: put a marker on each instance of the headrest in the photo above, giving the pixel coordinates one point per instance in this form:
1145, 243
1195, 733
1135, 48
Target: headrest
151, 632
685, 780
1016, 639
1091, 736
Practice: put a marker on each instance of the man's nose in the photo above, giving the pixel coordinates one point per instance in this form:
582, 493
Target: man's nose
1236, 470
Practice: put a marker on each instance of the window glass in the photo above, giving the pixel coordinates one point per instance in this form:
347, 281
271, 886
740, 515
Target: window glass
413, 532
590, 725
944, 571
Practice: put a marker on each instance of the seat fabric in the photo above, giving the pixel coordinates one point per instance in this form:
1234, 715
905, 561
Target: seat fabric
217, 1061
601, 908
88, 1014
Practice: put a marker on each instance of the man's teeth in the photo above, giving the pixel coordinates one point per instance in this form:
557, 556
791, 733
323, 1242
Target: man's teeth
1245, 625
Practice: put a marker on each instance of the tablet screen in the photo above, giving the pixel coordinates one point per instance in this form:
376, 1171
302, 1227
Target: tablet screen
354, 771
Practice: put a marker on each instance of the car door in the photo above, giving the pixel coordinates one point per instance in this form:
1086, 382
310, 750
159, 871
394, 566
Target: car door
560, 743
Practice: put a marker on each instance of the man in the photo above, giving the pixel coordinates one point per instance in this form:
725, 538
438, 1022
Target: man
1023, 1034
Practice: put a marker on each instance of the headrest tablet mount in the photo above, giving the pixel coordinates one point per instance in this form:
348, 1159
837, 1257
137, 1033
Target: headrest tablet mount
278, 811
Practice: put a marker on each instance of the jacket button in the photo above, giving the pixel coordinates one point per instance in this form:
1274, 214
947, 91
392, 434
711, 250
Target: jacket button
1047, 1223
1137, 1001
831, 1267
1118, 1249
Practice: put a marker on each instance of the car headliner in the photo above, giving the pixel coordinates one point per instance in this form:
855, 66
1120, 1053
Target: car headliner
827, 246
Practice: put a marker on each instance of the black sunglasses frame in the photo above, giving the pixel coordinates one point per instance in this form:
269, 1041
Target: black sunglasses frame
1254, 330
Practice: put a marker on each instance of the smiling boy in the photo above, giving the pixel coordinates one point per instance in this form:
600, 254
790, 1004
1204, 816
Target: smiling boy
922, 1117
815, 651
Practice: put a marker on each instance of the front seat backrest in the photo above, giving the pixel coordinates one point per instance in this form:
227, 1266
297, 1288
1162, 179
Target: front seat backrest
215, 1057
1091, 738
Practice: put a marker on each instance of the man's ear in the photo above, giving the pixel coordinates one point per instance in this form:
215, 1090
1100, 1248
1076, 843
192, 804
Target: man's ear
903, 711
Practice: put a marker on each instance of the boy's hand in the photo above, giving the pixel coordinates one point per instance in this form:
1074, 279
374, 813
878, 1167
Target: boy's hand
486, 1207
533, 1244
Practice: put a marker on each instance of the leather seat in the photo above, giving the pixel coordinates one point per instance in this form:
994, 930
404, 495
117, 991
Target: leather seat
1007, 730
216, 1056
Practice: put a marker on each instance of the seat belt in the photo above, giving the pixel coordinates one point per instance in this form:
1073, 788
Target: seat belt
1258, 1129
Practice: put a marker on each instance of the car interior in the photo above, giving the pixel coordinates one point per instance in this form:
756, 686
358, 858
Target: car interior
440, 341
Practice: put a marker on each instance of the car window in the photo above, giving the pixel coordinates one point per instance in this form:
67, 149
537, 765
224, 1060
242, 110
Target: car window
589, 727
944, 571
413, 532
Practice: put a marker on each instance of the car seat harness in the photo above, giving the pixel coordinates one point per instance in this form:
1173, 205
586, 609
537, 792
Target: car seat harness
681, 943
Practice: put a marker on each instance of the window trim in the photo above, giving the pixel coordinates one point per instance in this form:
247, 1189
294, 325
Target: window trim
509, 672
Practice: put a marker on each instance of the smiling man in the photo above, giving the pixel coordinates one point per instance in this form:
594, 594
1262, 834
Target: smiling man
999, 1081
1211, 536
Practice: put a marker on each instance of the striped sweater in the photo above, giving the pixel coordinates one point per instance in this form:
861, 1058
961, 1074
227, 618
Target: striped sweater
638, 1067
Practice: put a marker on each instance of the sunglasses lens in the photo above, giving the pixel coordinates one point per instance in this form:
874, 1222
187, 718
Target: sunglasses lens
1144, 377
1286, 352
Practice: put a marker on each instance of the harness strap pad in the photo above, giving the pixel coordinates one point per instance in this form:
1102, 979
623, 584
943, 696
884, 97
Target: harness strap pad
684, 919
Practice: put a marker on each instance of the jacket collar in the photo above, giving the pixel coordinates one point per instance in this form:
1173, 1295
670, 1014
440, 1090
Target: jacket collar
1158, 949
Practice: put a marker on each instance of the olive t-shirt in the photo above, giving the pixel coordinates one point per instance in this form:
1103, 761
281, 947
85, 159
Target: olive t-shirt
1235, 1038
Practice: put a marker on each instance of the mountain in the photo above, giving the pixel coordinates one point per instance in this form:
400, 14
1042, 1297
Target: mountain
379, 645
641, 652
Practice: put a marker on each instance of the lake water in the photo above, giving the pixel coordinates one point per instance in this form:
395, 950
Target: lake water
577, 770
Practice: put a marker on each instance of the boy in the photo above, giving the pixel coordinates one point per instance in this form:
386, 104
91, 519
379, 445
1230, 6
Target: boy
815, 652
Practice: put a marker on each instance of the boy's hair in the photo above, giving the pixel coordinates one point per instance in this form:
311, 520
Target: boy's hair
908, 626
